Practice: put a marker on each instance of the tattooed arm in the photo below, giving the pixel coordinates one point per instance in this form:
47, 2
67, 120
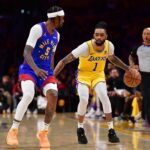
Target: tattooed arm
119, 63
61, 64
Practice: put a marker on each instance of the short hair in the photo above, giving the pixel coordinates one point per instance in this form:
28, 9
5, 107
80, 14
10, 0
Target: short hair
101, 25
54, 9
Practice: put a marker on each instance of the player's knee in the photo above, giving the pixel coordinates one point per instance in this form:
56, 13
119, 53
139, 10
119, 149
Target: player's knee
51, 94
84, 100
29, 95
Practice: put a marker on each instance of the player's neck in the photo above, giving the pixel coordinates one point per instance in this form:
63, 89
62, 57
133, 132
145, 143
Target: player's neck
98, 48
50, 27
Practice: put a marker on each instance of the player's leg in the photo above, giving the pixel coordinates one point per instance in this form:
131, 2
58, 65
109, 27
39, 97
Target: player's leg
50, 91
98, 112
20, 111
83, 92
101, 91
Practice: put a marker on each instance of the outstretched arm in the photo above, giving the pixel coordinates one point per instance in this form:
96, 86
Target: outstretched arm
61, 64
119, 63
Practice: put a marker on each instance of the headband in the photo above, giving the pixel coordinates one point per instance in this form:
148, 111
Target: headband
55, 14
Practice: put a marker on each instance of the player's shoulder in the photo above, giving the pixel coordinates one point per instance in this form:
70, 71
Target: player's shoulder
110, 43
36, 27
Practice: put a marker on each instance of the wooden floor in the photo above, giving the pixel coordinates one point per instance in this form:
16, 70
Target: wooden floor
62, 134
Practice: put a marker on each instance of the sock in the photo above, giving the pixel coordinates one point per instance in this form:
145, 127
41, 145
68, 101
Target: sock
15, 124
45, 126
80, 125
110, 125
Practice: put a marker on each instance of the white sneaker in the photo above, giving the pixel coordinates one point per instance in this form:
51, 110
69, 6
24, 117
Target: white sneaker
98, 113
90, 114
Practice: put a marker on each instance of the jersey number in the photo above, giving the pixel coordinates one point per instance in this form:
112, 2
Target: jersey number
47, 51
95, 67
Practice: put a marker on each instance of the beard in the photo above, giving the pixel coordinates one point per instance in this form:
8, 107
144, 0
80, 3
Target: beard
99, 43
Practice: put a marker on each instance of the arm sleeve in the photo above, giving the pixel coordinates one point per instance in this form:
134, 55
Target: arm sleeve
81, 51
34, 35
111, 48
54, 49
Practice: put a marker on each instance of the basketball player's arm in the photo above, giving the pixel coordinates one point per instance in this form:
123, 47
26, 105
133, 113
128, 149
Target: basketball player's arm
133, 59
34, 35
28, 57
119, 63
62, 63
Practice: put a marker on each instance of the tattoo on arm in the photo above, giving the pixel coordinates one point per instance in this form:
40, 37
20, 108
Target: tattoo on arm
61, 64
28, 57
116, 61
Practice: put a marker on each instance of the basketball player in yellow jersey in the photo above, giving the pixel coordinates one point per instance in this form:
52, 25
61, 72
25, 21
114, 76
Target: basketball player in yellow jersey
92, 59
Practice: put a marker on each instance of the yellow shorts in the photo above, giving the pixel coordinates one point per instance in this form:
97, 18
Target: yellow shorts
91, 78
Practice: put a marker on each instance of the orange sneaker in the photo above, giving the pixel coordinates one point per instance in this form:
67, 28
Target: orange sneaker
42, 136
11, 138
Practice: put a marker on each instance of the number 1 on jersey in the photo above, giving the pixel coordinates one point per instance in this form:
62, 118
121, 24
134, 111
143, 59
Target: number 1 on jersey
95, 67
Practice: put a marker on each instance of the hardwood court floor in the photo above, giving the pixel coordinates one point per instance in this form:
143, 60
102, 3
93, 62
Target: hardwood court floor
63, 134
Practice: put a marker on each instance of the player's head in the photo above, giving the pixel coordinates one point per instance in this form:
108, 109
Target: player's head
56, 15
100, 33
146, 36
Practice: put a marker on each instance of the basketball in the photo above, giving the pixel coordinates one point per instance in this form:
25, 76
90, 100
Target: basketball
132, 78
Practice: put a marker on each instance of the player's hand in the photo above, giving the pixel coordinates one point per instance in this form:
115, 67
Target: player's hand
41, 73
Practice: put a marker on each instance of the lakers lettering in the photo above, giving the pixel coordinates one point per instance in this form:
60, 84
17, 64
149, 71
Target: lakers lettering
92, 58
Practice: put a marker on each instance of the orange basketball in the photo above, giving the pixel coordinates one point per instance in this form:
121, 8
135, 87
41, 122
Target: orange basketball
132, 78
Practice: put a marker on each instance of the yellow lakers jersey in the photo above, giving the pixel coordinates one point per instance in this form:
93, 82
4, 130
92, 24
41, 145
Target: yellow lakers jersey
96, 61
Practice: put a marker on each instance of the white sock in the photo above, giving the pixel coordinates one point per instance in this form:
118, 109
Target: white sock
110, 125
15, 124
45, 126
80, 125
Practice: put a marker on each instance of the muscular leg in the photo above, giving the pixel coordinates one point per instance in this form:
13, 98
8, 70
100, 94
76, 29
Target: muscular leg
50, 91
51, 96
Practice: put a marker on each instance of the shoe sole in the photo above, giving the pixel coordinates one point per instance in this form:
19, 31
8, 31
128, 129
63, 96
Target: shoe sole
12, 145
114, 142
82, 143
